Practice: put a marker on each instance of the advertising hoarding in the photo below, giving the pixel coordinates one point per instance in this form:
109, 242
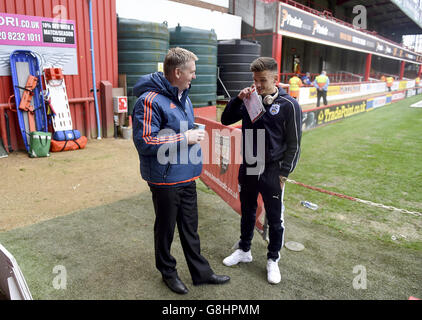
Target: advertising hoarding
52, 40
299, 24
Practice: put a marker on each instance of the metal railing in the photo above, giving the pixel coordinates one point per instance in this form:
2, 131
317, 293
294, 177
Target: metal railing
337, 77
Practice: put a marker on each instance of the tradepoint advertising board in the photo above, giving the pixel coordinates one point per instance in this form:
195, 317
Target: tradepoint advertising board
313, 118
53, 40
324, 115
303, 25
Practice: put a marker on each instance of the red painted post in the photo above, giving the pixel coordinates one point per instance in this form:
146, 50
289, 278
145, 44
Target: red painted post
107, 111
368, 66
88, 132
403, 63
254, 19
3, 129
277, 53
420, 70
277, 45
86, 104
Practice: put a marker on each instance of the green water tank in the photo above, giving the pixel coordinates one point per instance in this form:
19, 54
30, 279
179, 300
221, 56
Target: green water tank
203, 43
142, 47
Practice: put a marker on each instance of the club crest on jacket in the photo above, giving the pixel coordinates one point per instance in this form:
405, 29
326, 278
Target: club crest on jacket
275, 108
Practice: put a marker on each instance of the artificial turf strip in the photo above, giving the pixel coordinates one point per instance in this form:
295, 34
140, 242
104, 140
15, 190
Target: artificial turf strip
108, 254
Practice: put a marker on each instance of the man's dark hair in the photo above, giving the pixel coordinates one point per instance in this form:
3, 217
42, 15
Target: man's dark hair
263, 64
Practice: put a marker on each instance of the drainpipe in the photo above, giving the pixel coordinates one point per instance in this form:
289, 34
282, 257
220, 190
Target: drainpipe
94, 80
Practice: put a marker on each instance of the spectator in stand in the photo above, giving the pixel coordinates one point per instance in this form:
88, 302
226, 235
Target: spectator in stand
321, 83
390, 81
295, 84
296, 65
383, 78
306, 79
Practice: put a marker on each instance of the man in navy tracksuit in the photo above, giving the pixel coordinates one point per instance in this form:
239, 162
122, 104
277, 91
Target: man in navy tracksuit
170, 161
271, 150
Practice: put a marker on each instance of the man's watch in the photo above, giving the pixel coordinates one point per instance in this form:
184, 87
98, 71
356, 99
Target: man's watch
283, 179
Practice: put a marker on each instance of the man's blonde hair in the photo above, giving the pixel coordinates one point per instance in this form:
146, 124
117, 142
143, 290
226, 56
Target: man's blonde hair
177, 58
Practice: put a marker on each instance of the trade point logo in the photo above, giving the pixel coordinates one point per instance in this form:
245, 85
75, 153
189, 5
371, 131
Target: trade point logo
317, 28
286, 18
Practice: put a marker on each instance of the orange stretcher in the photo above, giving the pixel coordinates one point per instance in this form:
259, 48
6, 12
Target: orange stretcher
25, 104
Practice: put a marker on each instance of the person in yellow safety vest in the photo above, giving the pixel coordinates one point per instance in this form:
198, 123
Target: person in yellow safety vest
417, 80
296, 65
389, 81
295, 84
321, 83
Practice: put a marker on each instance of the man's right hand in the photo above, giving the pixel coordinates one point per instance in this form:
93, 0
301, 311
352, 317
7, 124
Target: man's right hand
245, 93
194, 136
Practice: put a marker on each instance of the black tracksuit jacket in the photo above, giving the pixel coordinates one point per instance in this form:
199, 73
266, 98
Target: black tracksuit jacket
282, 122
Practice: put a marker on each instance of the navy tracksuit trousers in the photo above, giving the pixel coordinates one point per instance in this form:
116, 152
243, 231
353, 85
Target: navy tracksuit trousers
268, 184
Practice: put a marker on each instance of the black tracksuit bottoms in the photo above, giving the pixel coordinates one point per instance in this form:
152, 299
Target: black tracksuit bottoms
268, 185
178, 205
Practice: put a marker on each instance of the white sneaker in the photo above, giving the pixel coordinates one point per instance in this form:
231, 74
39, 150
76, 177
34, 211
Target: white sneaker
238, 256
273, 272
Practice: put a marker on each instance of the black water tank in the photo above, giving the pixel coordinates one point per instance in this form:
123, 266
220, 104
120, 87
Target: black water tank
234, 60
142, 47
203, 43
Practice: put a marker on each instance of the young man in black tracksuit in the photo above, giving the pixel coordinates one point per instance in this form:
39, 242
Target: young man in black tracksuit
271, 150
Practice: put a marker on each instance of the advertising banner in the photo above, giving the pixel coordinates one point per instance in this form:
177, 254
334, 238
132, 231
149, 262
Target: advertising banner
411, 84
303, 25
396, 86
402, 85
332, 91
398, 96
53, 41
377, 102
350, 89
370, 88
320, 116
308, 94
410, 93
